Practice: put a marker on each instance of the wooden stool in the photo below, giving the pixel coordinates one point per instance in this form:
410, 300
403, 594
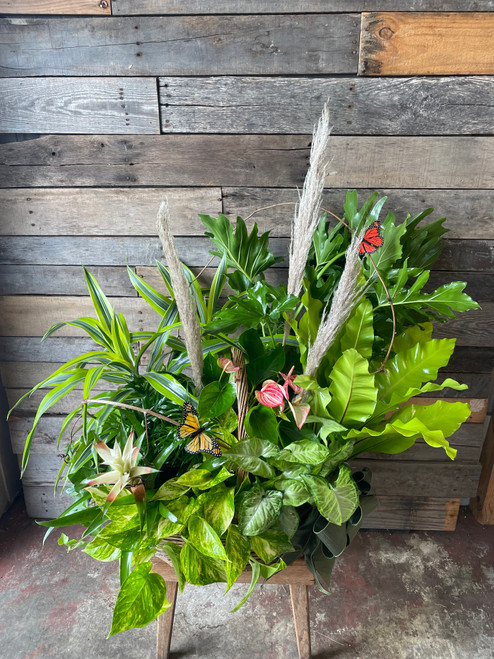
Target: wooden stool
297, 576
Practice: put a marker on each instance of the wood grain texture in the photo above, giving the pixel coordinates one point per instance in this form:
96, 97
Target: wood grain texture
365, 106
61, 349
79, 105
30, 404
415, 513
467, 360
45, 437
100, 211
43, 503
205, 45
64, 7
299, 595
412, 43
165, 623
247, 161
163, 7
474, 327
482, 504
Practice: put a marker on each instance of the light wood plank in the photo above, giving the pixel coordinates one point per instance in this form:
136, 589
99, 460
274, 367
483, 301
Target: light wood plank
64, 7
414, 513
299, 595
482, 504
43, 503
163, 7
45, 437
30, 404
100, 211
247, 161
79, 105
365, 106
55, 349
440, 43
176, 45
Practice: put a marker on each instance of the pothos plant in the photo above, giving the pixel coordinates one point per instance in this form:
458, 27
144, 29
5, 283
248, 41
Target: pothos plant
232, 446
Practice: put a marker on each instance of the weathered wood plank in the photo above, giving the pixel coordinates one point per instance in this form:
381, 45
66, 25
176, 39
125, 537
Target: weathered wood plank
247, 161
33, 315
409, 43
31, 403
474, 255
478, 406
468, 212
414, 513
474, 328
45, 436
422, 452
427, 479
64, 7
23, 375
163, 7
43, 503
100, 211
205, 45
468, 360
56, 349
365, 106
483, 503
79, 105
62, 280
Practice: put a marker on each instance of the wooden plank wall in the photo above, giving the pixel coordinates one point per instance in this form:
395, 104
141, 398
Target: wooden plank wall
107, 106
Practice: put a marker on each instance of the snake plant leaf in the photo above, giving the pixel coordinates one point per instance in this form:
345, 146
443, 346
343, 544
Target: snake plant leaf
353, 390
199, 569
270, 544
249, 453
261, 422
259, 509
216, 398
141, 600
171, 388
338, 501
204, 538
238, 551
218, 508
358, 331
305, 451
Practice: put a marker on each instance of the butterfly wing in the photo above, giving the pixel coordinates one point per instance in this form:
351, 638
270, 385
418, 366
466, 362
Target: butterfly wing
372, 239
203, 443
190, 423
190, 427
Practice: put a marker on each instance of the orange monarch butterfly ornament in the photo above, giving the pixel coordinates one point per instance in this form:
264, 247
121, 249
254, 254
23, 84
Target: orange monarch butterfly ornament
372, 239
200, 442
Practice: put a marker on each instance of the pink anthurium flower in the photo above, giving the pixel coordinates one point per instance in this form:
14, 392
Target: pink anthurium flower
289, 382
272, 394
227, 365
123, 464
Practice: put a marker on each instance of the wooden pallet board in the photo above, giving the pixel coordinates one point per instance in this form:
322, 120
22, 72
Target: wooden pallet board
365, 106
157, 46
412, 43
414, 513
63, 7
245, 160
79, 105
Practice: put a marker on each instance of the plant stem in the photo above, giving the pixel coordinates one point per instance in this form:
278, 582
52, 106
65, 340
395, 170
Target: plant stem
320, 274
131, 407
381, 368
125, 565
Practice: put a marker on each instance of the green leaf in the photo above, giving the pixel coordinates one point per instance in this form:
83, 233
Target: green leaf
270, 544
295, 492
101, 550
141, 600
261, 422
238, 551
328, 426
305, 451
420, 333
336, 502
259, 509
289, 520
170, 490
248, 454
156, 300
265, 365
353, 391
100, 302
211, 370
85, 517
256, 573
199, 569
203, 479
358, 331
216, 288
216, 398
125, 539
219, 508
171, 388
173, 552
204, 538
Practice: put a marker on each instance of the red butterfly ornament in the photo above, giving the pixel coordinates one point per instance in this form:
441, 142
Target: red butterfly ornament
372, 239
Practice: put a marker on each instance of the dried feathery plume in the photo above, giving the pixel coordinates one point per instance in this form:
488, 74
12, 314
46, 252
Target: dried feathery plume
346, 296
185, 306
307, 212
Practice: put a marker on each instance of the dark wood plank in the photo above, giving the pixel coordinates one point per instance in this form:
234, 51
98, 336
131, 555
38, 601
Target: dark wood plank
468, 360
63, 7
365, 106
483, 503
474, 327
468, 212
423, 452
461, 254
164, 624
163, 7
426, 479
441, 43
79, 105
56, 349
414, 513
62, 280
50, 212
205, 45
246, 160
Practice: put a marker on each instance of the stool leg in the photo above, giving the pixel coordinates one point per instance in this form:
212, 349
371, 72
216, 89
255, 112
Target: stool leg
165, 623
300, 606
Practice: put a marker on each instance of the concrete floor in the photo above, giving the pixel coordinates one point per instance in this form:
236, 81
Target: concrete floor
395, 595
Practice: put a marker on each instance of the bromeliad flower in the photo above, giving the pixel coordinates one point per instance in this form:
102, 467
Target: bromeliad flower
123, 464
272, 394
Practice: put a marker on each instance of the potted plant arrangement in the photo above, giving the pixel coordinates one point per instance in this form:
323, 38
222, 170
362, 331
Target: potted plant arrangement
225, 436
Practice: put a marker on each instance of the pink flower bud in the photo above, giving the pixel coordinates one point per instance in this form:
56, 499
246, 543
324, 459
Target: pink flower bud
289, 382
227, 365
271, 394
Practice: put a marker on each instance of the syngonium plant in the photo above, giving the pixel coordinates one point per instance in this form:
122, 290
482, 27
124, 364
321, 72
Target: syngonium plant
246, 428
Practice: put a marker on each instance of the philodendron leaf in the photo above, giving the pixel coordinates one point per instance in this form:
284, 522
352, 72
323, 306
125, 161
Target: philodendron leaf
289, 520
270, 544
358, 331
216, 398
336, 502
305, 451
295, 491
249, 454
141, 600
238, 551
204, 538
420, 333
353, 391
199, 569
259, 510
218, 508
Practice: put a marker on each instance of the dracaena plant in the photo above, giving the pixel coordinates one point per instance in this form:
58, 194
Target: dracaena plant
232, 446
